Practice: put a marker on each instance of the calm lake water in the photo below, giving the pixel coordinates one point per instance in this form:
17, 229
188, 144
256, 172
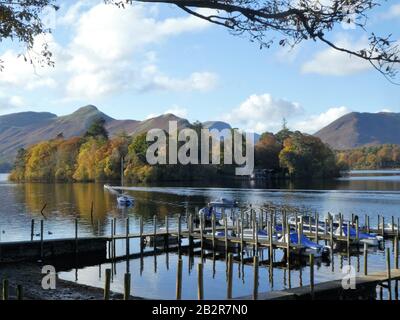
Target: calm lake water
363, 192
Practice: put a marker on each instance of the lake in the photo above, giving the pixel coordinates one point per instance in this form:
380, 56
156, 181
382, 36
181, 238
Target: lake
362, 192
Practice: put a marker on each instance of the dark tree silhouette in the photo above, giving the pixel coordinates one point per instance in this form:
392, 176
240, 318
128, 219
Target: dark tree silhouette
295, 22
21, 21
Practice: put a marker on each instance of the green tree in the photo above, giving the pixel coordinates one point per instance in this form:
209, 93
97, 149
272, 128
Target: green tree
97, 129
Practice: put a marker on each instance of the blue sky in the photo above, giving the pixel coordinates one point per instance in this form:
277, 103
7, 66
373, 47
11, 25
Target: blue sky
151, 59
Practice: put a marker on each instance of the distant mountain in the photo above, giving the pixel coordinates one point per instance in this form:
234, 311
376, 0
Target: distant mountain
362, 129
20, 130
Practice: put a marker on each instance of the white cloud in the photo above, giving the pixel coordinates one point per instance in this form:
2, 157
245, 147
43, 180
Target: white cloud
394, 11
313, 123
261, 113
336, 63
10, 102
108, 53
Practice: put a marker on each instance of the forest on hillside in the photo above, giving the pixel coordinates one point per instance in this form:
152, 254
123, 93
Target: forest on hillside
97, 157
386, 156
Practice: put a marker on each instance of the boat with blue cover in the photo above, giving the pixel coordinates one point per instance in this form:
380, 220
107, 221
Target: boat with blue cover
371, 239
309, 246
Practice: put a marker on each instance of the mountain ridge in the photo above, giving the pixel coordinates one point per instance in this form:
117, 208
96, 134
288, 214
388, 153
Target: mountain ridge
359, 129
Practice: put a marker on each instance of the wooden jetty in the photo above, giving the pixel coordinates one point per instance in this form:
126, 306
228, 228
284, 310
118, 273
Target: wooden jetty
221, 247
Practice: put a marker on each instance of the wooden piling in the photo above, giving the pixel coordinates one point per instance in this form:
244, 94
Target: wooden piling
154, 231
226, 234
179, 280
167, 232
20, 292
396, 252
200, 288
316, 226
41, 239
127, 248
230, 275
392, 224
383, 226
91, 213
255, 281
32, 228
127, 286
107, 285
141, 231
241, 235
340, 224
76, 235
389, 273
331, 232
179, 229
256, 235
312, 276
368, 225
357, 231
5, 289
365, 259
213, 230
348, 236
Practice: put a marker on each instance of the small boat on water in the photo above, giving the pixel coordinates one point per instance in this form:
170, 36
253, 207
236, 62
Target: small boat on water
371, 239
221, 207
125, 200
309, 247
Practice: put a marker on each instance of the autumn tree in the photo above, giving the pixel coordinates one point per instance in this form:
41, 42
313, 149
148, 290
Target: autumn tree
267, 151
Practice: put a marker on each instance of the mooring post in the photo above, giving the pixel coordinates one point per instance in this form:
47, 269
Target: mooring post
389, 273
256, 233
340, 224
201, 231
348, 236
287, 236
230, 274
226, 234
271, 246
141, 231
32, 228
5, 289
110, 254
190, 231
167, 231
179, 229
312, 276
200, 292
241, 236
396, 252
379, 225
383, 226
127, 286
300, 230
365, 259
357, 231
398, 227
179, 280
255, 283
331, 231
20, 292
41, 238
76, 235
127, 239
316, 226
114, 240
107, 285
91, 213
368, 228
154, 231
213, 230
392, 225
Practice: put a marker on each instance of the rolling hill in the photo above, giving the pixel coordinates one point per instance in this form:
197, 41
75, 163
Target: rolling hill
20, 130
362, 129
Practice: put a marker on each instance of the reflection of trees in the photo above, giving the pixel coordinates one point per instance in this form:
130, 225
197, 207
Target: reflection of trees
67, 199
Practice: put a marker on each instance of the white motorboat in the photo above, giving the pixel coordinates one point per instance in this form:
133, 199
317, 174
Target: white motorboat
125, 200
